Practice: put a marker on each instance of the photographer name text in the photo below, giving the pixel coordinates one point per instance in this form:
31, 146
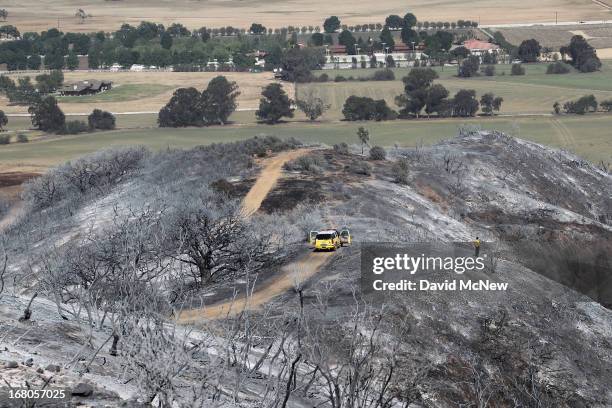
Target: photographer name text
447, 285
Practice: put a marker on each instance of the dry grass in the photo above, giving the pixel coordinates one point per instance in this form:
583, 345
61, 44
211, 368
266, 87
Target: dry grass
109, 15
599, 36
250, 88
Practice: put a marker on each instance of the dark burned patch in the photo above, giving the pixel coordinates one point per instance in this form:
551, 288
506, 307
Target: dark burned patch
291, 192
233, 190
11, 179
549, 227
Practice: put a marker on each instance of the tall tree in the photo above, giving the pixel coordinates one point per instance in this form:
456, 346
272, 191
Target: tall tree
101, 120
469, 67
410, 20
219, 100
317, 39
416, 87
178, 30
436, 100
297, 63
274, 104
183, 109
127, 35
465, 103
489, 103
312, 106
409, 36
72, 61
363, 135
3, 120
387, 38
257, 29
331, 24
529, 50
394, 22
346, 38
583, 55
34, 62
166, 40
445, 39
47, 116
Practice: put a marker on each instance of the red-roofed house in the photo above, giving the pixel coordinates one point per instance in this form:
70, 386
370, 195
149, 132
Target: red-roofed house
478, 47
401, 47
336, 49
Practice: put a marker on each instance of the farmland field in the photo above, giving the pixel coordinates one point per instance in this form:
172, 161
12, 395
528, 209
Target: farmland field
588, 136
147, 91
598, 35
109, 15
534, 92
121, 93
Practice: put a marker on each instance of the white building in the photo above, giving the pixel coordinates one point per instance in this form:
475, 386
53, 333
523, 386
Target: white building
348, 61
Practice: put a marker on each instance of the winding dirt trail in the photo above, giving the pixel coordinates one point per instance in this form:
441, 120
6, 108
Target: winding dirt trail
291, 274
267, 179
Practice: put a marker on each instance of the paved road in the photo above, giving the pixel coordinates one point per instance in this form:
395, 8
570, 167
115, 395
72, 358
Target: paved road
548, 24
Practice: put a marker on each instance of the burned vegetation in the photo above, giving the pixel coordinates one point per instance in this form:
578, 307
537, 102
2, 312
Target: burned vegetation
115, 247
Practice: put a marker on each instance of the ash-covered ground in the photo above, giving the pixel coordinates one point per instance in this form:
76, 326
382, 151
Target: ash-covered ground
108, 249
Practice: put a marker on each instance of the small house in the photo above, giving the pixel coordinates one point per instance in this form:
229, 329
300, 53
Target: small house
478, 47
87, 87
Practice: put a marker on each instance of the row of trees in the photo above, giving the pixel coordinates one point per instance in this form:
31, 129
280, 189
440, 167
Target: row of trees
421, 94
47, 116
24, 92
147, 43
396, 22
471, 67
214, 105
189, 107
582, 105
582, 55
436, 101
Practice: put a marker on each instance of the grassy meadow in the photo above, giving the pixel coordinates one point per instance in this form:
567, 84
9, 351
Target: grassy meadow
588, 136
528, 100
533, 93
127, 92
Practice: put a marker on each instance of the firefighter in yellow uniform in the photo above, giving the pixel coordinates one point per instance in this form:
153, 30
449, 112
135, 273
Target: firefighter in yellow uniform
476, 247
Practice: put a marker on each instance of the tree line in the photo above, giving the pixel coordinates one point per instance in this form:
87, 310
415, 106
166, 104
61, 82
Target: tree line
24, 92
153, 44
396, 22
215, 104
584, 104
422, 96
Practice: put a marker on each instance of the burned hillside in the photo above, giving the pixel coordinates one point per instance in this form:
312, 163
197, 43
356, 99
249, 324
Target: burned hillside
182, 278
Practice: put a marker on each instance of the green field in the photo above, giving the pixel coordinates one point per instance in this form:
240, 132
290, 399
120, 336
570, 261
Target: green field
121, 93
534, 92
588, 136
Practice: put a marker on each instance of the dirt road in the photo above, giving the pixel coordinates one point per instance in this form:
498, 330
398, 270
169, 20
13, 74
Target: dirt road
291, 274
267, 179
